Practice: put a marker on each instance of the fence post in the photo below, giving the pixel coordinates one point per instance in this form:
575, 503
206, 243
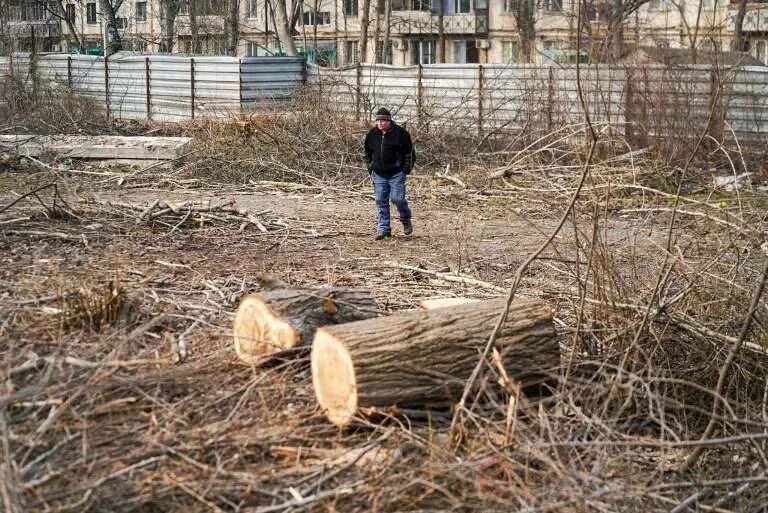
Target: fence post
358, 82
480, 100
550, 97
106, 84
419, 99
147, 86
69, 71
240, 82
192, 84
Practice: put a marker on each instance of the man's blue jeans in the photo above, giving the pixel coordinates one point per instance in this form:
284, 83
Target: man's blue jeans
386, 189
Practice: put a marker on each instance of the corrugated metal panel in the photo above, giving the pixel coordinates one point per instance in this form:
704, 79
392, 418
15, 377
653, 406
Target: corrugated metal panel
170, 87
217, 86
270, 79
654, 100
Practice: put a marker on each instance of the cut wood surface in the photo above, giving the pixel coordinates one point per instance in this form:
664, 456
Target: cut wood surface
277, 320
442, 302
423, 358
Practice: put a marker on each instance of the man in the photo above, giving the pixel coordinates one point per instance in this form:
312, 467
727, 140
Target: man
390, 156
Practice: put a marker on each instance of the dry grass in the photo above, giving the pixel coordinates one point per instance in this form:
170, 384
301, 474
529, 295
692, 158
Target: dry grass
98, 417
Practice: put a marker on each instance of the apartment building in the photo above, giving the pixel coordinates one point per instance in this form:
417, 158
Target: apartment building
328, 31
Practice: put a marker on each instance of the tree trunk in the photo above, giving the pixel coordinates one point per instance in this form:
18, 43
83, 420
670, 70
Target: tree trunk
233, 26
109, 16
616, 30
281, 22
362, 47
194, 29
169, 9
526, 28
424, 358
387, 21
739, 41
282, 319
440, 50
376, 32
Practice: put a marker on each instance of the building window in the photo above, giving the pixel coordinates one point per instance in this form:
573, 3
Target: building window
461, 6
350, 8
317, 18
141, 11
465, 52
90, 13
383, 59
510, 51
121, 23
350, 52
423, 52
661, 5
421, 5
552, 5
30, 11
511, 6
69, 12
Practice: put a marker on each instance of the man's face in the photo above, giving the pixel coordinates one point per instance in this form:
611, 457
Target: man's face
383, 124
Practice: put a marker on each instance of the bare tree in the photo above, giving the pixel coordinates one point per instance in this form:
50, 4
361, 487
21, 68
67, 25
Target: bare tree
387, 28
525, 19
194, 28
232, 25
365, 8
169, 9
281, 27
739, 41
440, 50
613, 44
58, 11
109, 10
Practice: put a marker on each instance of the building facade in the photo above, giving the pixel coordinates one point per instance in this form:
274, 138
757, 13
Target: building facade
408, 31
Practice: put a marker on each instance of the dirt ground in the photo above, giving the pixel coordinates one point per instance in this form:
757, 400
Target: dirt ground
145, 406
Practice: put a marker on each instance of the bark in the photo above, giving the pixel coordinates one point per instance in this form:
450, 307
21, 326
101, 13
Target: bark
376, 31
440, 50
387, 21
232, 17
739, 41
277, 320
423, 359
169, 9
365, 8
616, 30
193, 27
109, 16
525, 18
281, 27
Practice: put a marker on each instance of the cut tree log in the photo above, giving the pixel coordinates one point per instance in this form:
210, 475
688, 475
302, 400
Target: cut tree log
423, 359
442, 302
277, 320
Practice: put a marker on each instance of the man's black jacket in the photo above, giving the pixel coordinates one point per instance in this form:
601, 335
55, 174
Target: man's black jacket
389, 153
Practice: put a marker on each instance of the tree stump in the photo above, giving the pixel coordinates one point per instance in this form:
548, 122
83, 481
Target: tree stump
423, 358
277, 320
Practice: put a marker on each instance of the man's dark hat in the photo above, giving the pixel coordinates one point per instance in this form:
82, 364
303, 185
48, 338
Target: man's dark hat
383, 113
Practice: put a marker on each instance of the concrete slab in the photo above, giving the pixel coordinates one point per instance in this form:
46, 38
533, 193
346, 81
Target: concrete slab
99, 147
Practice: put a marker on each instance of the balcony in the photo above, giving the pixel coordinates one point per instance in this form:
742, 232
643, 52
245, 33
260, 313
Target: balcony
406, 23
755, 19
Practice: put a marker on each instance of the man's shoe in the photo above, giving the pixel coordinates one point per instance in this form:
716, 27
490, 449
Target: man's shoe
383, 236
407, 228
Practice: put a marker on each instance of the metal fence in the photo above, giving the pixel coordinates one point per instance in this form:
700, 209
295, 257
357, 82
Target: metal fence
167, 88
640, 102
